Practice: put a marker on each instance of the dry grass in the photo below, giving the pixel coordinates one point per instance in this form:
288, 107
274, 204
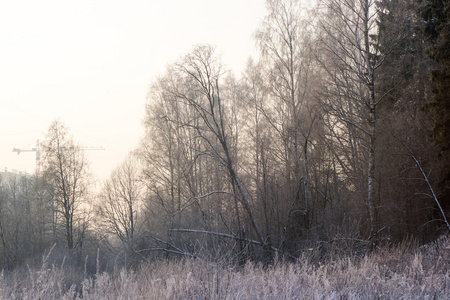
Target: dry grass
402, 272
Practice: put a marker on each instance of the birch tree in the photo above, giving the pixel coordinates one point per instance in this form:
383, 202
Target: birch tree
351, 56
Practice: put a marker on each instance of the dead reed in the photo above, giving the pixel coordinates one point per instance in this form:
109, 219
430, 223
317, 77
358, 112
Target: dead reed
401, 272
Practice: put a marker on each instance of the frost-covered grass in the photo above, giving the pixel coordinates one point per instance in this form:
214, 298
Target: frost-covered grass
402, 272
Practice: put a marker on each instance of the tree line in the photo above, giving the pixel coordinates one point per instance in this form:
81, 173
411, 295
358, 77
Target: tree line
337, 133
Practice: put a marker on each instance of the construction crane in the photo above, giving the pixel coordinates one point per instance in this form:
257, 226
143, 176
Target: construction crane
37, 149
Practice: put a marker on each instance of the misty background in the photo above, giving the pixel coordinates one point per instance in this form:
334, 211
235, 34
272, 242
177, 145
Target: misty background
90, 63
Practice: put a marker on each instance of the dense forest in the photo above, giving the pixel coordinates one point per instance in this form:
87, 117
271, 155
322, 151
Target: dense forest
337, 134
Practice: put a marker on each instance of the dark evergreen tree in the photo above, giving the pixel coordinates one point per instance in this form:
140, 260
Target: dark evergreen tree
404, 88
436, 16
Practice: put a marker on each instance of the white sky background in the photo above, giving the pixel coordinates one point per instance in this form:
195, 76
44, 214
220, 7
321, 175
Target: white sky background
89, 64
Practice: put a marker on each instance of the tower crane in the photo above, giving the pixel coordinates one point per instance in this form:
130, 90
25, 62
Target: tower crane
38, 151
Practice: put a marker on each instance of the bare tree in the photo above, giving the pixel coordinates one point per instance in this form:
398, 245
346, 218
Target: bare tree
25, 216
65, 170
203, 72
287, 44
195, 121
120, 201
351, 56
173, 173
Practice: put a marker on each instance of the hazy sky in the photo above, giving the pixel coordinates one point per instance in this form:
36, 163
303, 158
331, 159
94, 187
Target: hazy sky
89, 64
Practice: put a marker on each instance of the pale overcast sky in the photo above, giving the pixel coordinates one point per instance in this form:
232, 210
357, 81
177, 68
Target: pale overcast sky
89, 64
